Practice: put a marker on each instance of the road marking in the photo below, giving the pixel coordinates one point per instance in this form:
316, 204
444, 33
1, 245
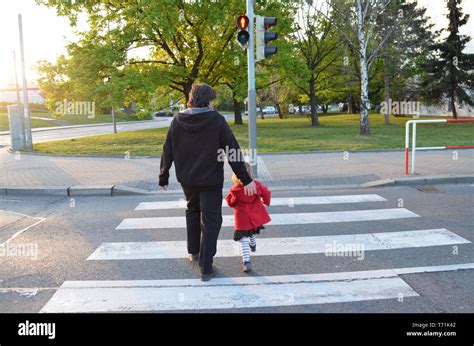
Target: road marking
290, 201
263, 172
350, 244
258, 280
277, 219
20, 214
237, 292
40, 220
268, 294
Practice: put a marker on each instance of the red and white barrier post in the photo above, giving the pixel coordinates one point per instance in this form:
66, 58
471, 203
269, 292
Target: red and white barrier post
414, 148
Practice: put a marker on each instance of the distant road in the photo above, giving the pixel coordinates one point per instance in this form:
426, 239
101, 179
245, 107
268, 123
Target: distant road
44, 135
57, 133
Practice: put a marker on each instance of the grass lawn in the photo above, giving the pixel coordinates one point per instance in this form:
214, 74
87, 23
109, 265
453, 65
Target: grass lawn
340, 132
4, 125
99, 118
69, 120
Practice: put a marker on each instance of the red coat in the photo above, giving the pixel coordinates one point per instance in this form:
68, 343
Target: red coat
249, 212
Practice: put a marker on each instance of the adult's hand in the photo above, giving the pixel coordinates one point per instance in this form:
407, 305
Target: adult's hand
250, 189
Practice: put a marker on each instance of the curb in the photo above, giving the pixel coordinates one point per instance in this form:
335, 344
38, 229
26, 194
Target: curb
33, 153
121, 190
430, 180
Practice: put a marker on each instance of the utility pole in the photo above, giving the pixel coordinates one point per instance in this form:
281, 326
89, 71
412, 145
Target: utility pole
26, 108
252, 97
17, 87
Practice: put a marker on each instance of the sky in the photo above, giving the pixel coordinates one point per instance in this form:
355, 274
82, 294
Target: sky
46, 34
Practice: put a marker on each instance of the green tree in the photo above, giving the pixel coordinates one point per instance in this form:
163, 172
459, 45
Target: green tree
186, 40
313, 49
450, 73
357, 22
406, 49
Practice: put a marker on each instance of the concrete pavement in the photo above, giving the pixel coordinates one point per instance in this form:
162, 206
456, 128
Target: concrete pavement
276, 170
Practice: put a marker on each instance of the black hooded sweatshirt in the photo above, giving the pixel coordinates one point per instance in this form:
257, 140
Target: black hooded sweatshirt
192, 143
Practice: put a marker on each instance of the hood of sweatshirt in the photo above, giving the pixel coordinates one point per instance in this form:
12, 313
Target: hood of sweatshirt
196, 122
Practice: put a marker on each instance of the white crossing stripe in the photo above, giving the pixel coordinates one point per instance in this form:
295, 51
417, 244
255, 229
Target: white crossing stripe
290, 201
277, 219
355, 244
237, 292
270, 293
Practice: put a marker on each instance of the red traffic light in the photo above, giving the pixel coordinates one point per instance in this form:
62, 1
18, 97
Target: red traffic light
243, 22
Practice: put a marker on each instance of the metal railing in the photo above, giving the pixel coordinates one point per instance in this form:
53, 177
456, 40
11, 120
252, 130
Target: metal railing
414, 148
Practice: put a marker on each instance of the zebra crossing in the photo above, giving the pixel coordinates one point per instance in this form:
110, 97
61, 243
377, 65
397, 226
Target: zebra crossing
259, 291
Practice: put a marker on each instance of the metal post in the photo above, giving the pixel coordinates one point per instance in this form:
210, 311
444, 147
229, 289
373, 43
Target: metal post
26, 108
113, 119
413, 149
407, 145
17, 86
252, 104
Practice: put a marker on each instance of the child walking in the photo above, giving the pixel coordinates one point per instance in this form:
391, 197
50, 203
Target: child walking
249, 216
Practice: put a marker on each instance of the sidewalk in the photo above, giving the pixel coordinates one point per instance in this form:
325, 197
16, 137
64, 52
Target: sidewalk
298, 169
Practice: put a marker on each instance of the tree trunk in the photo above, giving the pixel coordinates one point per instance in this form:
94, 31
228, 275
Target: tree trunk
262, 116
314, 104
186, 90
453, 107
364, 73
237, 112
350, 103
280, 111
364, 100
387, 89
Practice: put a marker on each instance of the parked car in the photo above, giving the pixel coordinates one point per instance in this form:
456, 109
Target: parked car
306, 109
292, 109
269, 110
342, 106
163, 113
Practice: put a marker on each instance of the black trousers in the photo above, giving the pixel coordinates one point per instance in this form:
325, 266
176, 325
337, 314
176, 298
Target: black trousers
203, 223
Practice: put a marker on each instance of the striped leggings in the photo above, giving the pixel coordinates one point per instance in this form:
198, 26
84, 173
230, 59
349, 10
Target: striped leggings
245, 243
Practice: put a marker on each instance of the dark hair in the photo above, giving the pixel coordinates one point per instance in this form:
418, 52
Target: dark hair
201, 95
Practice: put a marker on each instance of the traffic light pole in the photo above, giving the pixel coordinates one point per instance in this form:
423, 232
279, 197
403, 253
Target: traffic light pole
252, 97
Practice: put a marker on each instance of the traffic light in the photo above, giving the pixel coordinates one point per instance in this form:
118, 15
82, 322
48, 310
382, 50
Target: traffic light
243, 36
263, 37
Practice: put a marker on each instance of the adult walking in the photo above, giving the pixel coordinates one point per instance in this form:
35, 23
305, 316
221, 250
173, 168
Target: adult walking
194, 143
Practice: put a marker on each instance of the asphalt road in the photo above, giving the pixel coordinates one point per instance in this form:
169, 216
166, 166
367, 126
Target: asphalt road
62, 233
77, 132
